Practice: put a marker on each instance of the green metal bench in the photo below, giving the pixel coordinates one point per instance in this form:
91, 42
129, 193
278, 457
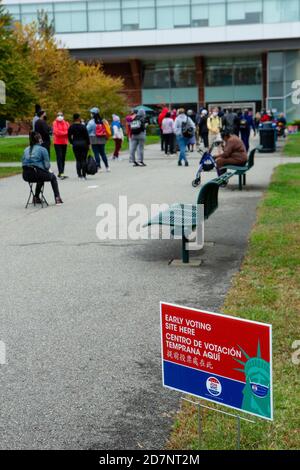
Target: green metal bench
184, 216
242, 170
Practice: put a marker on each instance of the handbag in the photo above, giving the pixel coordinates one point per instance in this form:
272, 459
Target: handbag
91, 167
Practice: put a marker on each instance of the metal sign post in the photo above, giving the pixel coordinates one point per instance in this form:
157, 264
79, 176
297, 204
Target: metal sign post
200, 419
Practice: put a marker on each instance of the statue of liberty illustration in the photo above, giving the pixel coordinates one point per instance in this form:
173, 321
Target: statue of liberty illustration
257, 389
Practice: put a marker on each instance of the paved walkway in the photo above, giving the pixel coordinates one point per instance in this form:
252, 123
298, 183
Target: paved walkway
80, 317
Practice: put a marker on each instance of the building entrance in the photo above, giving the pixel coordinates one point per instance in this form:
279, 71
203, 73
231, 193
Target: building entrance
251, 106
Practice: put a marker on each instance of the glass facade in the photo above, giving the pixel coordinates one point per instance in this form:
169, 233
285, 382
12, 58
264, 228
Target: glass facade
132, 15
169, 81
233, 78
172, 73
283, 70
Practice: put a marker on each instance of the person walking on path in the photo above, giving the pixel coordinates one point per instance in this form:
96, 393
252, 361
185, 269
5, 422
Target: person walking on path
138, 137
167, 127
98, 132
117, 135
184, 130
246, 124
80, 141
60, 140
214, 125
43, 129
37, 156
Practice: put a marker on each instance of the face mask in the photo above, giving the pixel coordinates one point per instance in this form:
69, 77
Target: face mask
92, 116
260, 391
60, 118
215, 114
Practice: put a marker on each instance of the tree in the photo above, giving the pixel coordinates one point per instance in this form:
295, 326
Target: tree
54, 67
16, 71
95, 88
63, 83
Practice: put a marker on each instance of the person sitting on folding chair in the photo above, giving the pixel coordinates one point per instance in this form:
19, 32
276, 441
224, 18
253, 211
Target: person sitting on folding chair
36, 157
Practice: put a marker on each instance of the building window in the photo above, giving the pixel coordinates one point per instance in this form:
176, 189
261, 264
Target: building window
233, 71
169, 74
279, 11
138, 14
104, 15
133, 15
283, 70
29, 12
70, 17
239, 12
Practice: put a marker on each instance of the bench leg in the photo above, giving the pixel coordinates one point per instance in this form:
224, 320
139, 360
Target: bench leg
185, 252
240, 183
244, 179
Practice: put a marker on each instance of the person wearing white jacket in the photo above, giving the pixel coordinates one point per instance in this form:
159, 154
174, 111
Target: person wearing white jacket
183, 126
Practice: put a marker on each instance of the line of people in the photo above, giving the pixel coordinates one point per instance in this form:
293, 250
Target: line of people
81, 136
209, 125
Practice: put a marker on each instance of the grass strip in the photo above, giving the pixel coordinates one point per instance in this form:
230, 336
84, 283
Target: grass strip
292, 146
9, 171
11, 149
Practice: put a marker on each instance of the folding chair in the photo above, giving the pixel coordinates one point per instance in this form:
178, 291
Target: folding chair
32, 179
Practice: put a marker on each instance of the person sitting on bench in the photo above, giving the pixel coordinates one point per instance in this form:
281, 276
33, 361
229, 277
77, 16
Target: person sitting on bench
234, 152
37, 157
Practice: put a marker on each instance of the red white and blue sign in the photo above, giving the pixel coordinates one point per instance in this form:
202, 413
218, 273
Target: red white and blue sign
219, 358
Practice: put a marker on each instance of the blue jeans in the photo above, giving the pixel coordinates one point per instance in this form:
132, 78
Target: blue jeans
182, 142
245, 136
99, 149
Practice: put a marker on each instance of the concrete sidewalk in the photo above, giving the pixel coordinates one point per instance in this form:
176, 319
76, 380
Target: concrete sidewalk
80, 317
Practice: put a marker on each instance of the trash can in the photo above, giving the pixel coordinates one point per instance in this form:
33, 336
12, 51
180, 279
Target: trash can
267, 137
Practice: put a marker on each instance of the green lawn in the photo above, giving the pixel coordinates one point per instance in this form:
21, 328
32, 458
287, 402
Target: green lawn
292, 146
11, 149
267, 289
9, 171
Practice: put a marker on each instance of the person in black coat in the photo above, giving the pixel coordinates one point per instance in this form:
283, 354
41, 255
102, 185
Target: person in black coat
43, 129
80, 140
203, 130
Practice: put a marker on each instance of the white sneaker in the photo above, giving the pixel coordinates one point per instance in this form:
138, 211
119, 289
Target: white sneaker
107, 170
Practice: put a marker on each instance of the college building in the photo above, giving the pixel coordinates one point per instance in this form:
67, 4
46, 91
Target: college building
233, 53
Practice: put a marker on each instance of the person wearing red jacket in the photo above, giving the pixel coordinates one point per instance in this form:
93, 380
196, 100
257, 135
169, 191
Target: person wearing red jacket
60, 140
160, 119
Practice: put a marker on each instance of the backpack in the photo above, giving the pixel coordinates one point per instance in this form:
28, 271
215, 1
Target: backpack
101, 130
187, 129
137, 126
243, 124
91, 167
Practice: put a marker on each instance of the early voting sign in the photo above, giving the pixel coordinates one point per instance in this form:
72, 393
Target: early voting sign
219, 358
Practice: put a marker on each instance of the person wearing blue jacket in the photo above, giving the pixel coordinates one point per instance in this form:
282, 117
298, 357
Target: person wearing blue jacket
246, 124
37, 157
97, 142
